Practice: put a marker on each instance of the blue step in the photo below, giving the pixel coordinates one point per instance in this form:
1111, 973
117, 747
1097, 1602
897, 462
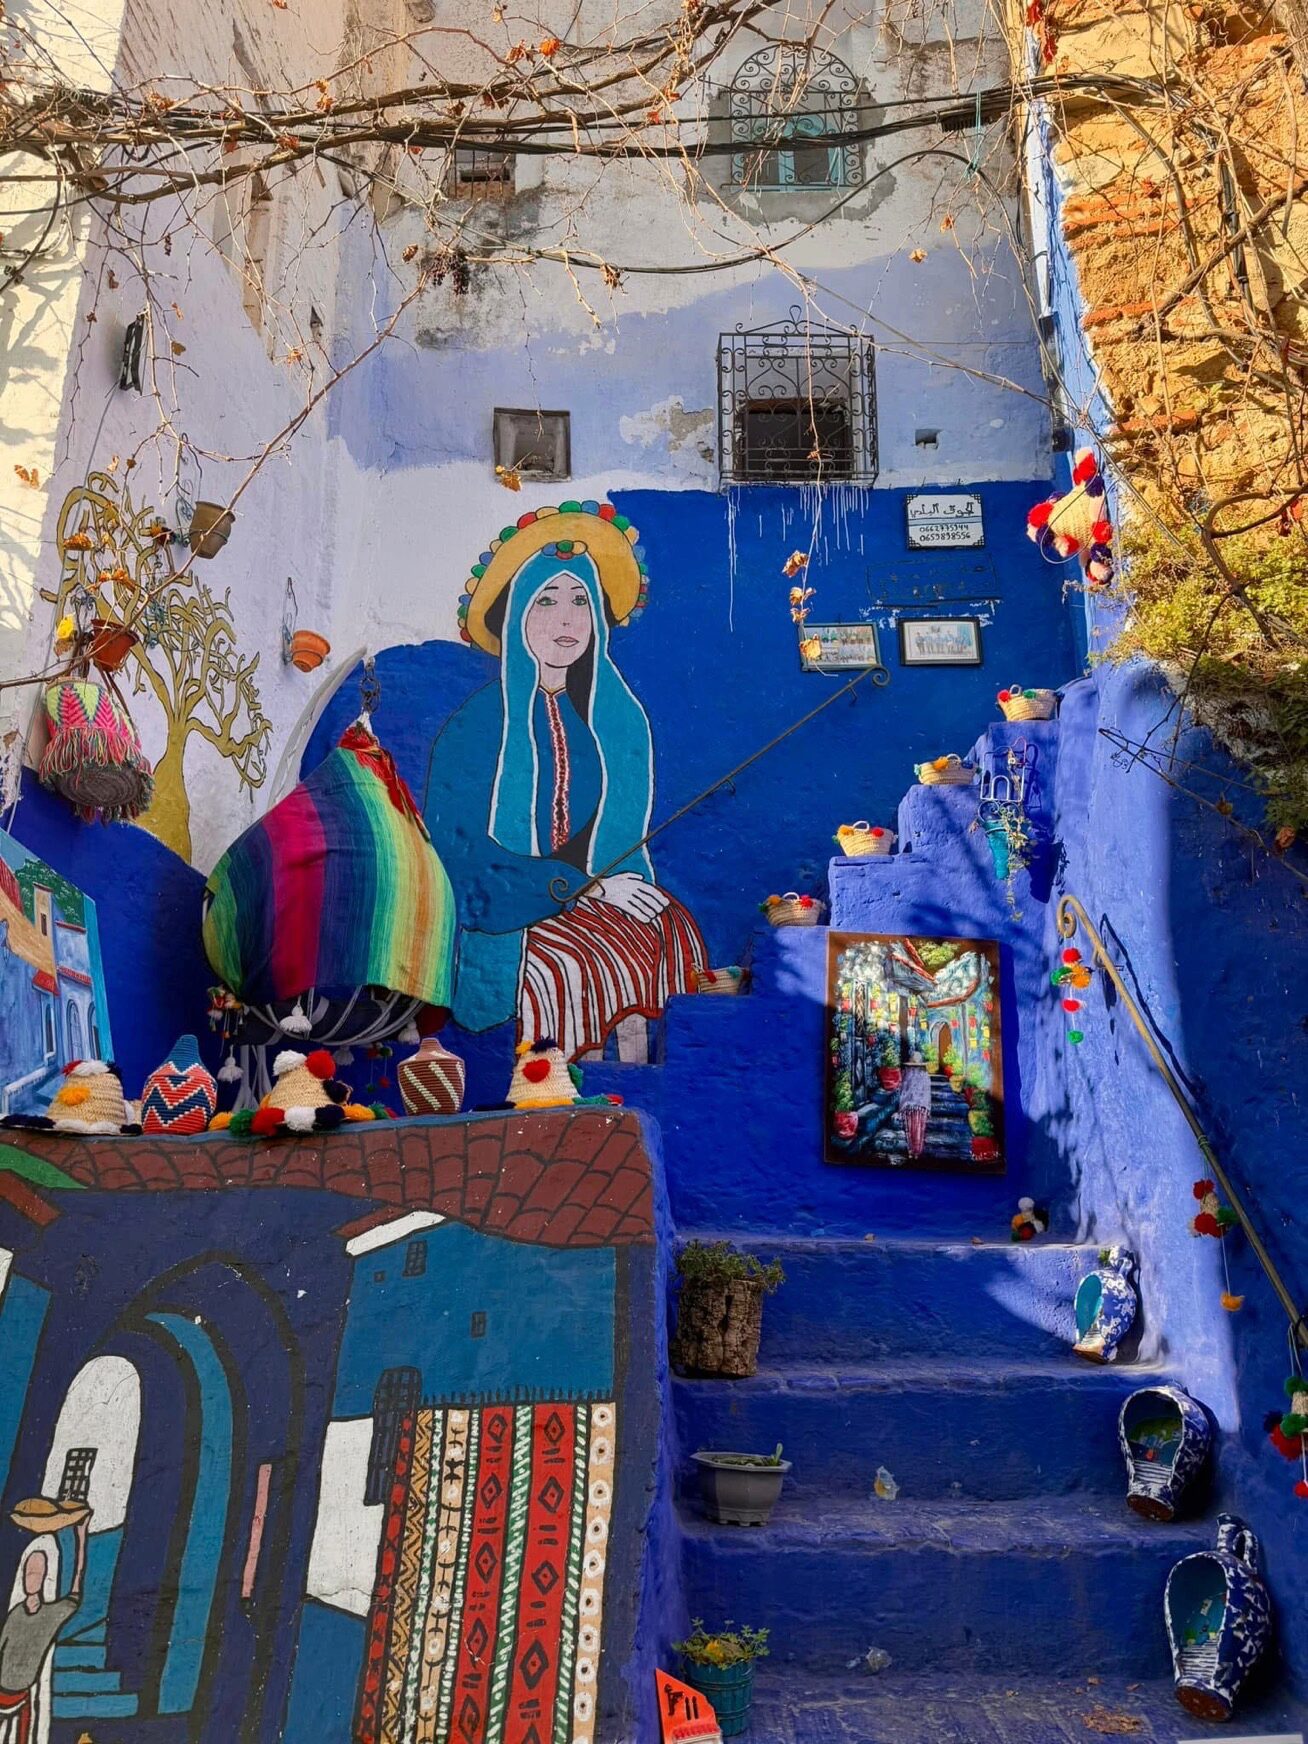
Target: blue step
1034, 1586
118, 1707
898, 1708
92, 1632
857, 1301
78, 1656
86, 1683
945, 1431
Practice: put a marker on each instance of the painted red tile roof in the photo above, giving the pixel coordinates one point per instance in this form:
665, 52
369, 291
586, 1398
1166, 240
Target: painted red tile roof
561, 1177
77, 976
45, 981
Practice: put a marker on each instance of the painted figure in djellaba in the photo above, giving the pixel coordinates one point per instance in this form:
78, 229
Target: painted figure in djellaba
546, 779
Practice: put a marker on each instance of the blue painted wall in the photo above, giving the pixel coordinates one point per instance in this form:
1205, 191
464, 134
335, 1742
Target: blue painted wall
714, 662
425, 1321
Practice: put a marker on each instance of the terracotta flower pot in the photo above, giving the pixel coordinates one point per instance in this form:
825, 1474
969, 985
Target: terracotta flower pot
845, 1125
211, 528
111, 644
308, 650
889, 1077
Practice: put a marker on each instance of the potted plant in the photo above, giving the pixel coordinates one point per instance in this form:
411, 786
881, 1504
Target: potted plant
889, 1074
111, 643
720, 1308
721, 1666
844, 1119
740, 1489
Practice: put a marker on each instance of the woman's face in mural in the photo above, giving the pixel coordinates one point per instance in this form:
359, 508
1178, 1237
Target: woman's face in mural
558, 625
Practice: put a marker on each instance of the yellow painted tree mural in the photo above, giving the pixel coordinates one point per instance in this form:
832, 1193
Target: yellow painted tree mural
116, 565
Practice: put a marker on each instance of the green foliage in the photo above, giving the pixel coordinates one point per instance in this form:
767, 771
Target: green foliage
887, 1049
69, 902
842, 1098
721, 1262
935, 953
750, 1459
1249, 688
726, 1646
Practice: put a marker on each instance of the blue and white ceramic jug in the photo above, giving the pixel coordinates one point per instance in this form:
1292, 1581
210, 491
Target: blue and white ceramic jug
1165, 1438
1219, 1620
1105, 1305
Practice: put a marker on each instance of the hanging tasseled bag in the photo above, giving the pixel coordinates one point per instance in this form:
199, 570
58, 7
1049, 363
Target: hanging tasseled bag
94, 758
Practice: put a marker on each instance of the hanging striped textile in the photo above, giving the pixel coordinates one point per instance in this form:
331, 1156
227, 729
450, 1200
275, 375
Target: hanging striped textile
487, 1607
587, 969
338, 887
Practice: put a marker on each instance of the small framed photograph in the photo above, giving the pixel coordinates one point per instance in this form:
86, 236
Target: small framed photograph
940, 641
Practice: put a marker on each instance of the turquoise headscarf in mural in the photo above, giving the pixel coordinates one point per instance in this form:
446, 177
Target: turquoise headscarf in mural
485, 802
617, 722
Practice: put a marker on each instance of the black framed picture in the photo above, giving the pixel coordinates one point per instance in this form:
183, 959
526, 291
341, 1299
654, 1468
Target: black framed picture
940, 642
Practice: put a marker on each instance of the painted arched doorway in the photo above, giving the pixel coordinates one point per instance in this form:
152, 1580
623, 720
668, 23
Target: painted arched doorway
189, 1616
942, 1048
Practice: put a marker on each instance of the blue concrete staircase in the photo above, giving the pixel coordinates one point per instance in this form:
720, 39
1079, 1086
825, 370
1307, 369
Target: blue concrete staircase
1018, 1597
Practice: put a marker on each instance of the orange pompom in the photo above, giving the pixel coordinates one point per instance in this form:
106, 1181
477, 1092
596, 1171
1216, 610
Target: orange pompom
1232, 1304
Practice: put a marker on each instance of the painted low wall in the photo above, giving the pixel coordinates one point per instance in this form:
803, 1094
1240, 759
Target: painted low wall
372, 1425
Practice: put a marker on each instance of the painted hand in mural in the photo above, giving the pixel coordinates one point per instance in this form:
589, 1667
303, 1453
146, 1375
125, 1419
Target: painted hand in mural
632, 894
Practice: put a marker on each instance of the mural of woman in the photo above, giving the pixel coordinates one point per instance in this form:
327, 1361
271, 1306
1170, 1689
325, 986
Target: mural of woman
544, 780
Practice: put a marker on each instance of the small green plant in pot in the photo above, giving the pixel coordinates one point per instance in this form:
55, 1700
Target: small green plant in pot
740, 1489
721, 1665
720, 1308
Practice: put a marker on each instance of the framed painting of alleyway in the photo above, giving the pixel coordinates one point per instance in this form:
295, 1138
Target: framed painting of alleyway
914, 1074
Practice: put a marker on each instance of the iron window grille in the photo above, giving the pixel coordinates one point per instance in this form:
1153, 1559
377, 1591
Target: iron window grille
397, 1393
783, 100
478, 174
533, 444
796, 404
415, 1259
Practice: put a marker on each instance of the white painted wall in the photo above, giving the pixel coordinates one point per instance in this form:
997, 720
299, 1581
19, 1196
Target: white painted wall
388, 493
346, 1533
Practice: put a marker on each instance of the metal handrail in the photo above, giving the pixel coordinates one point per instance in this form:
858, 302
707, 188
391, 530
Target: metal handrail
1070, 916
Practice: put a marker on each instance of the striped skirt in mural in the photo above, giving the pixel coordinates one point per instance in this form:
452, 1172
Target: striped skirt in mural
486, 1612
587, 969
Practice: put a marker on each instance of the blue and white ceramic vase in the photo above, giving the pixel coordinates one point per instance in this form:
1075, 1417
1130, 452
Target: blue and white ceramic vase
1219, 1620
1106, 1304
1165, 1439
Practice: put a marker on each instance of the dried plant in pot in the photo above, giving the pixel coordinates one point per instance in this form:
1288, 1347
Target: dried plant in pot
720, 1309
740, 1489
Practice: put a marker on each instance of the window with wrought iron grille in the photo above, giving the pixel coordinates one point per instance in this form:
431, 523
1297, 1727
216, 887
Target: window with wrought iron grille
796, 404
477, 174
784, 104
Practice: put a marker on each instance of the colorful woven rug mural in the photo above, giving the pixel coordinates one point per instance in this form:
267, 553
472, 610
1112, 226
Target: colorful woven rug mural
486, 1613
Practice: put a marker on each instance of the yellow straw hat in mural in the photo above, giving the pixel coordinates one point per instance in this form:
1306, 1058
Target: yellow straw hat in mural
595, 529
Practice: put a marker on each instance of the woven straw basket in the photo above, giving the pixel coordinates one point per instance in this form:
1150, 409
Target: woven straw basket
726, 981
950, 771
790, 910
1027, 705
857, 841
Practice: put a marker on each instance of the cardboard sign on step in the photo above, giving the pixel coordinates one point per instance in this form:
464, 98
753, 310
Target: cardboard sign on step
686, 1716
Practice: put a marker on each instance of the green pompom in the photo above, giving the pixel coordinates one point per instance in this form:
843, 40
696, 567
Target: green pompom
241, 1123
1075, 1036
1293, 1423
380, 1110
1295, 1384
1058, 977
574, 1072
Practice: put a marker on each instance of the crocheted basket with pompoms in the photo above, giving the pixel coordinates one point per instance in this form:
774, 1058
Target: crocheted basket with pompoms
94, 758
